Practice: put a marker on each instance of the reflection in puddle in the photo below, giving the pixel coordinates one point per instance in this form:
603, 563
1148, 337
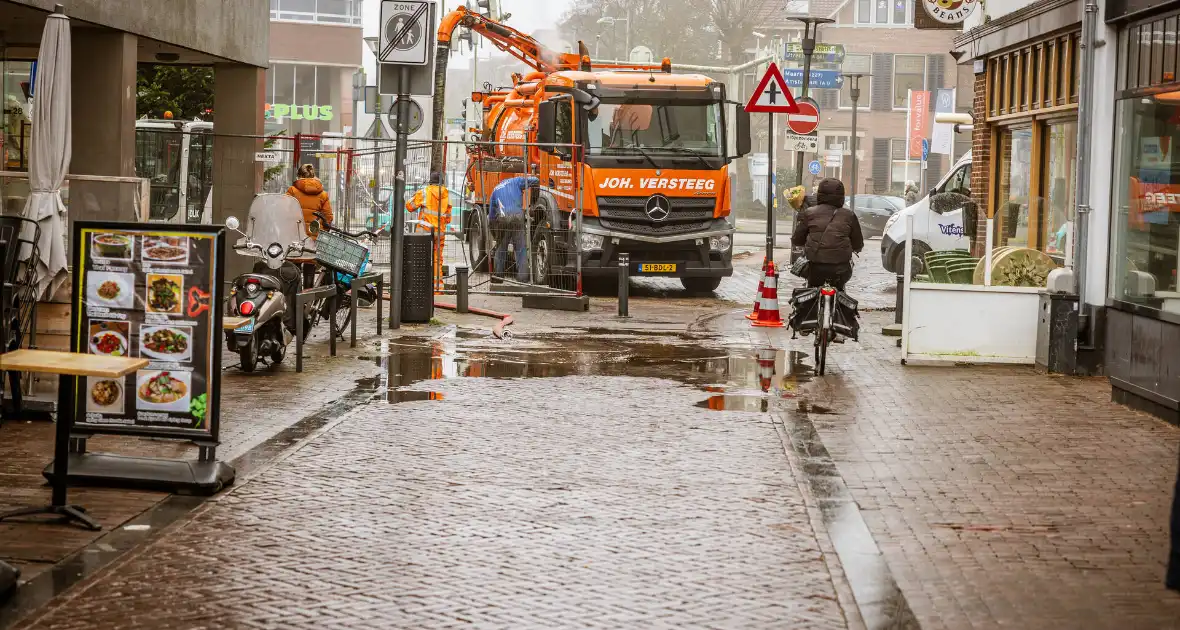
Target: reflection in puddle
737, 402
736, 376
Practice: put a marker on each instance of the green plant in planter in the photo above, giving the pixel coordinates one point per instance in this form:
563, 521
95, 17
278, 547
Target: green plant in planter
1017, 267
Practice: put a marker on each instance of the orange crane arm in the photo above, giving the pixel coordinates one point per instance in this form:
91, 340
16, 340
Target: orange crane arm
507, 39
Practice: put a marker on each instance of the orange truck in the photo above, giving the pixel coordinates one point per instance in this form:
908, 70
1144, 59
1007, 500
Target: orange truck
640, 151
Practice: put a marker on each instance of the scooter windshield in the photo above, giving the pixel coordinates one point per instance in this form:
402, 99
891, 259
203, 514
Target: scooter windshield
276, 218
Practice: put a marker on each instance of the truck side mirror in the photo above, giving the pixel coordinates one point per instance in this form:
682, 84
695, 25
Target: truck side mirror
743, 132
547, 125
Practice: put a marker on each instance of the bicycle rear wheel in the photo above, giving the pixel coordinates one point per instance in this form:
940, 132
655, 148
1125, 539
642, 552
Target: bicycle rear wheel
821, 349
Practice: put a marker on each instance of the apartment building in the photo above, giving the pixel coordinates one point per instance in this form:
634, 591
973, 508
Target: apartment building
881, 35
315, 47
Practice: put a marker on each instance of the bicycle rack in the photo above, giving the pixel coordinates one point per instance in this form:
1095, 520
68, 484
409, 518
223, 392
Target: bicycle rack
301, 299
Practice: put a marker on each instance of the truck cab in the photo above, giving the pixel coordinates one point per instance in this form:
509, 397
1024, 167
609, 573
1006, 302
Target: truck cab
644, 154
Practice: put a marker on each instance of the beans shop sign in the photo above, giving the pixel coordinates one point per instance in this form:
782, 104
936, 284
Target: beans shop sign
949, 12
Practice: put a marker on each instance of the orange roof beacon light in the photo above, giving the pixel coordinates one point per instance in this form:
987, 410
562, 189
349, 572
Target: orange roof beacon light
666, 65
477, 97
168, 115
585, 63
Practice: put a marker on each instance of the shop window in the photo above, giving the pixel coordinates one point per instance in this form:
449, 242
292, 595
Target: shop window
866, 85
909, 73
306, 98
1014, 189
1059, 183
1145, 229
18, 126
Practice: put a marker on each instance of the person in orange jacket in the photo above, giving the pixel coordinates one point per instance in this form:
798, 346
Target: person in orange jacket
433, 205
309, 191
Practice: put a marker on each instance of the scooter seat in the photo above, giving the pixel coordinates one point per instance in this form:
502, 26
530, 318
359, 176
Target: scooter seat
269, 283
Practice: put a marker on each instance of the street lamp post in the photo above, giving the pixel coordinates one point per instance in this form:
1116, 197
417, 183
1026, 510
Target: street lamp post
854, 90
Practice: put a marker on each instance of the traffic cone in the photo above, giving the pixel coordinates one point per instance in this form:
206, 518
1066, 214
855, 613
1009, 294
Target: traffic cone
753, 316
768, 315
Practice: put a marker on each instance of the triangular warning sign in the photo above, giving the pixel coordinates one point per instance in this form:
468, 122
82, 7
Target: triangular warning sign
772, 95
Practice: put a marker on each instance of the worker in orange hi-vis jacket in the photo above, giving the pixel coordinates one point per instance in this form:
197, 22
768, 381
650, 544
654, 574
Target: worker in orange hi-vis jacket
433, 205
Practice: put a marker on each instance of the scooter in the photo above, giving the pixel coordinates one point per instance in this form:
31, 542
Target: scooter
265, 298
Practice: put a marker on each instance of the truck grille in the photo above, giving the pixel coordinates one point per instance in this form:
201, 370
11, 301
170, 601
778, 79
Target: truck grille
631, 210
648, 228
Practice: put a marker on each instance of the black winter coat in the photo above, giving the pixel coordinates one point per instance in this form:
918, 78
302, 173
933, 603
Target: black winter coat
828, 233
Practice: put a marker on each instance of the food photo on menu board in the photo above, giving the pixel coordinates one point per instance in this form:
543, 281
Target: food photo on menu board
149, 294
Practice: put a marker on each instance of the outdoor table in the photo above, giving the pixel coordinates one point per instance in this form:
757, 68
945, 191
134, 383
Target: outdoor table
68, 366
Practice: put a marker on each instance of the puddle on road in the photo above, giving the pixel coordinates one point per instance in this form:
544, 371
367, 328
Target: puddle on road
743, 380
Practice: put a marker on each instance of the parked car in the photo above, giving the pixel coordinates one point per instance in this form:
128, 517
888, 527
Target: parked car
874, 212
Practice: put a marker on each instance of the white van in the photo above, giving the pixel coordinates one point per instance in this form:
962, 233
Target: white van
938, 220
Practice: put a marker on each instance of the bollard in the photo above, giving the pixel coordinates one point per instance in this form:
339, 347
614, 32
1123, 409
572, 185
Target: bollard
900, 299
624, 284
461, 289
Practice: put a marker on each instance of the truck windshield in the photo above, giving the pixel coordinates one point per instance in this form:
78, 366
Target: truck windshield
615, 128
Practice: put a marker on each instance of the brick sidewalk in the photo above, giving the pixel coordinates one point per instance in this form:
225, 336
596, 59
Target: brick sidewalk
1001, 497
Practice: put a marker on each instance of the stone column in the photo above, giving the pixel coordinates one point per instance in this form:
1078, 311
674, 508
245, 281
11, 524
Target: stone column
103, 124
238, 101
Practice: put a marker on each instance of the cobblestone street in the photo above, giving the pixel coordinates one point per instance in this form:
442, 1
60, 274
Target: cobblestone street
635, 474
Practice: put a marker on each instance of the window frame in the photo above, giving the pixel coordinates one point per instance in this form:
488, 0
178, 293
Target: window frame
354, 16
893, 79
889, 23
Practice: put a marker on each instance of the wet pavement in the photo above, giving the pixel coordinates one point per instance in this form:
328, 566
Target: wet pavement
679, 470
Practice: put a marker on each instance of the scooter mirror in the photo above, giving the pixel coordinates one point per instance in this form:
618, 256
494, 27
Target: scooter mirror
313, 227
232, 223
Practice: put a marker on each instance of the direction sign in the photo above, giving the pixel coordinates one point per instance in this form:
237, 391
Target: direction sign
806, 119
819, 78
925, 149
772, 96
415, 122
406, 32
824, 53
793, 142
814, 167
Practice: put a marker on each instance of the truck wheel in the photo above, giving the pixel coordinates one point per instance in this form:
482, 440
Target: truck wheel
545, 257
699, 286
479, 240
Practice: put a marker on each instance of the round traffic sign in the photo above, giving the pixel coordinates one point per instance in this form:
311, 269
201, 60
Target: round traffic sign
404, 31
415, 121
806, 120
814, 167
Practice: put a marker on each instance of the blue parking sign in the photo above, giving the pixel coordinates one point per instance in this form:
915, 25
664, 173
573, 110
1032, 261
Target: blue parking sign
814, 167
925, 149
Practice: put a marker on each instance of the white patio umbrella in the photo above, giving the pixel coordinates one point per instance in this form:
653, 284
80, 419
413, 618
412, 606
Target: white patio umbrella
50, 149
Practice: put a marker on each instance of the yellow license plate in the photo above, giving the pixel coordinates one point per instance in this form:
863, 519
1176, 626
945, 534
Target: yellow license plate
657, 268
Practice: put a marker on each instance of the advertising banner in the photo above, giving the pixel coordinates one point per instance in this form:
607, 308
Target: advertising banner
146, 291
919, 122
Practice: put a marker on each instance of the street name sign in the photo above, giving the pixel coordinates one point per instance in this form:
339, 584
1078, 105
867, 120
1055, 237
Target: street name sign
821, 79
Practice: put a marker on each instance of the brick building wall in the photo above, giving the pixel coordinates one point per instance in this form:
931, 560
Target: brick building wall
981, 154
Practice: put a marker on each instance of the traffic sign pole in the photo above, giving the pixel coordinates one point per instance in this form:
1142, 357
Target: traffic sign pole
770, 228
397, 237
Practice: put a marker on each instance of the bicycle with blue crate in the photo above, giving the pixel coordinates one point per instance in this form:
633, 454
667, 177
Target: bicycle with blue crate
342, 257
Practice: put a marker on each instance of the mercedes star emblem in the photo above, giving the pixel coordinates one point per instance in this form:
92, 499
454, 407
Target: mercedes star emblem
658, 207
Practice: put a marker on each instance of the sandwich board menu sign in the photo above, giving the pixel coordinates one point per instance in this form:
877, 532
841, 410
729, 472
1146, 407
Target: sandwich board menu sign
151, 291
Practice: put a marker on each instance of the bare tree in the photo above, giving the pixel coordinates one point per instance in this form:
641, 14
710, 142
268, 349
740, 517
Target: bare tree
734, 21
670, 28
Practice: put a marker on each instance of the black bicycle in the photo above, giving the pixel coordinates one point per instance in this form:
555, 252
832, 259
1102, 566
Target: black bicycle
823, 332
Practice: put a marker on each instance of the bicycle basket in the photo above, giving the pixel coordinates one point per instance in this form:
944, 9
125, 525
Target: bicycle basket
340, 253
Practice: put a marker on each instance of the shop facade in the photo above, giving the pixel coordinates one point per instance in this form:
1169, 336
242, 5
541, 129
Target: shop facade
1143, 294
1024, 142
